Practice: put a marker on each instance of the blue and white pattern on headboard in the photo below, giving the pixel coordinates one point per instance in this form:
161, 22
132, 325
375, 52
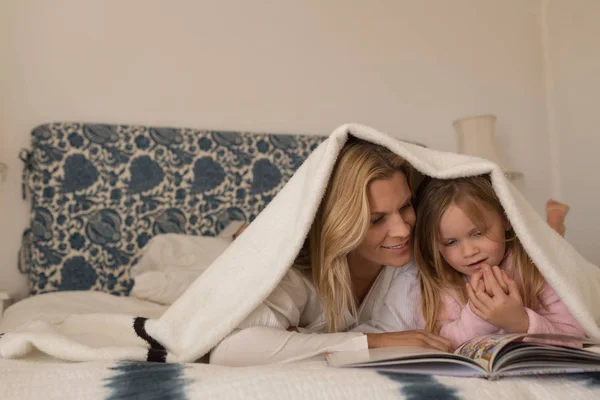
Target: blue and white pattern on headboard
100, 192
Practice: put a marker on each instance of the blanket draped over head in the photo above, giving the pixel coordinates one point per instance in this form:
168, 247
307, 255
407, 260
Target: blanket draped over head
246, 273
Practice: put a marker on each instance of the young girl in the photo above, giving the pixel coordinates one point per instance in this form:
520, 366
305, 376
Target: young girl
475, 276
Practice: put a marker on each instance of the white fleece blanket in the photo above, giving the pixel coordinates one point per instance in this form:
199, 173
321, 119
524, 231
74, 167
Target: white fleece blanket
245, 274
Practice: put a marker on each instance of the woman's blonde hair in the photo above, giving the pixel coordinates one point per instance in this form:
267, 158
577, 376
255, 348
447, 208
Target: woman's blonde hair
342, 221
473, 195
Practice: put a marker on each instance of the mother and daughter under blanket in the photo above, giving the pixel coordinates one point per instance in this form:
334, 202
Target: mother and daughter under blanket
378, 270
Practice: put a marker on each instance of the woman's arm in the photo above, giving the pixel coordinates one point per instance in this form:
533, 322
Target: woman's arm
262, 345
413, 338
262, 338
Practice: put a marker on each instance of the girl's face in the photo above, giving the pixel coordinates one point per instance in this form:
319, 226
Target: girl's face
392, 218
465, 247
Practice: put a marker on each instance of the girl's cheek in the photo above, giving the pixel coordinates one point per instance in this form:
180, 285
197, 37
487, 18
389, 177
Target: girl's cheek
448, 254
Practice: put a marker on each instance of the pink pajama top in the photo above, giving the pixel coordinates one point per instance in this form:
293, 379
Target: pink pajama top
460, 324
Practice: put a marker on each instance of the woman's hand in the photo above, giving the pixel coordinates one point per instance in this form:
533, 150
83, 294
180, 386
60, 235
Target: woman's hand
504, 310
408, 338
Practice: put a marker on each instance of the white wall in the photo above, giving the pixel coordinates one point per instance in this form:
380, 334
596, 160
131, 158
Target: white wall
403, 66
573, 32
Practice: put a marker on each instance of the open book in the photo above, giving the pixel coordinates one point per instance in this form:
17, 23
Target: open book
491, 356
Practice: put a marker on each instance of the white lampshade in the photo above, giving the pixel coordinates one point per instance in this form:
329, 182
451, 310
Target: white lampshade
476, 136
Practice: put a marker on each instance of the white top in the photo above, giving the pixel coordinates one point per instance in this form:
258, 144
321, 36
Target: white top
262, 337
401, 306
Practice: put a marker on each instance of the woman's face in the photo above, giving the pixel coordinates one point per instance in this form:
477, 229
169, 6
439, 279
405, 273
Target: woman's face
392, 218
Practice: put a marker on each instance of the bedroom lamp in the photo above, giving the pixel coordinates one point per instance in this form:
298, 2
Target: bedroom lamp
476, 136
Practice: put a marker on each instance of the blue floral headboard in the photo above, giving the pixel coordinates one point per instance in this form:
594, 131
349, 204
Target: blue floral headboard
100, 192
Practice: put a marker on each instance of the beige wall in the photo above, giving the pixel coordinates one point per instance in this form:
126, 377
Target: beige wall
573, 47
403, 66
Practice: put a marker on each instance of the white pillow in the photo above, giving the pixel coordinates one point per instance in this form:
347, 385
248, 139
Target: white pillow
171, 262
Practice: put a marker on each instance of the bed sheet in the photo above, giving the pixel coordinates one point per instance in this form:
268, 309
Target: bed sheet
30, 379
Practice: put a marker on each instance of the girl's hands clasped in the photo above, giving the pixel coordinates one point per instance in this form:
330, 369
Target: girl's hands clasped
498, 301
477, 281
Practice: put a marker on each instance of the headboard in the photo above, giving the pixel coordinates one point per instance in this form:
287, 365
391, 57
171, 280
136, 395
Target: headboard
100, 192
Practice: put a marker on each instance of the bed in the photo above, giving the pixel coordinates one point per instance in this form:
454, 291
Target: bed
101, 193
39, 376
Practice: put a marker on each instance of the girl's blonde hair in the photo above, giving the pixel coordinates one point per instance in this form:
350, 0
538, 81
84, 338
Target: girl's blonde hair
342, 221
473, 195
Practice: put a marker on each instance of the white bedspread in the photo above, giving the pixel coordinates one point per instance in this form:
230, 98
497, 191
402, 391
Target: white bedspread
96, 380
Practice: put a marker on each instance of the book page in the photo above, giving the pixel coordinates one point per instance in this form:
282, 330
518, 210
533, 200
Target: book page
434, 367
484, 349
357, 357
407, 359
594, 349
512, 354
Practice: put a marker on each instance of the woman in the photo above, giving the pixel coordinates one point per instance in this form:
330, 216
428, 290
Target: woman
360, 240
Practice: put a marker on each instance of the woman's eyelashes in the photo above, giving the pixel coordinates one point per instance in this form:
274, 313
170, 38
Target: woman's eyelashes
379, 218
